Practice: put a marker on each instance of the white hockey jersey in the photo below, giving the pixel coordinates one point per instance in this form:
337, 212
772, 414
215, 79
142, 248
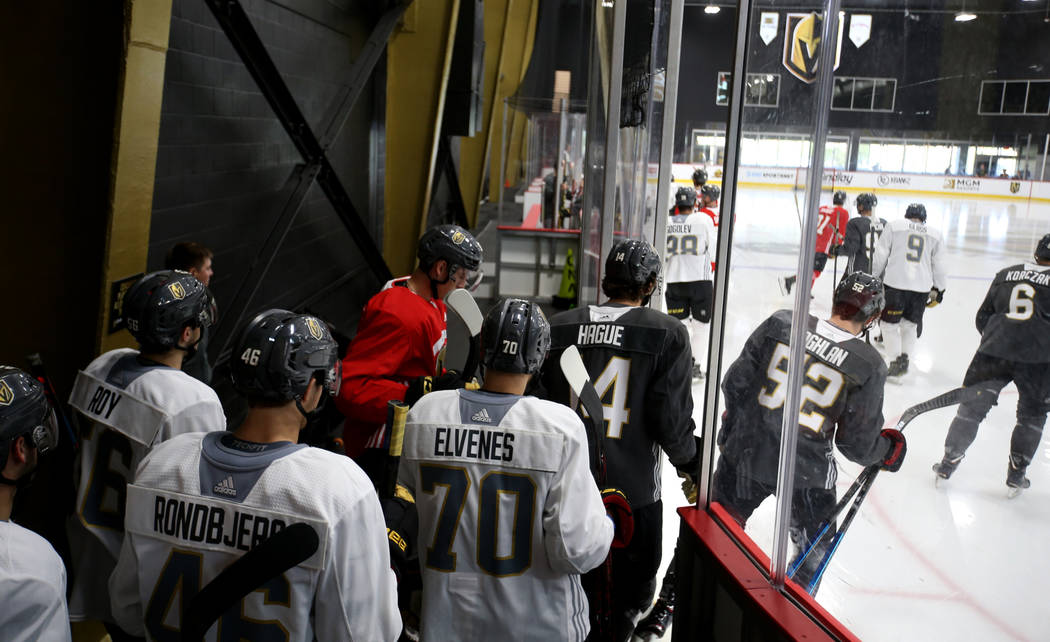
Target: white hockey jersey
509, 516
130, 405
690, 248
909, 256
201, 501
33, 586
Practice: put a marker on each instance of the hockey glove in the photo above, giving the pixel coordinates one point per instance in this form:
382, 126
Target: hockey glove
934, 297
422, 385
619, 511
402, 523
689, 472
898, 448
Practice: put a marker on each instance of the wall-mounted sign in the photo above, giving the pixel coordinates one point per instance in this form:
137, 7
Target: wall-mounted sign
117, 290
859, 29
802, 35
767, 29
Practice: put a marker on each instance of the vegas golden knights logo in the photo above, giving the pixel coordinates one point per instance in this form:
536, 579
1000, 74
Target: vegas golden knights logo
1015, 186
6, 394
802, 38
177, 290
314, 326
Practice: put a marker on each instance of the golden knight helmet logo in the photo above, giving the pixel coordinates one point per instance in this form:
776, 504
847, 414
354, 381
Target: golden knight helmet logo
458, 238
314, 326
6, 394
177, 290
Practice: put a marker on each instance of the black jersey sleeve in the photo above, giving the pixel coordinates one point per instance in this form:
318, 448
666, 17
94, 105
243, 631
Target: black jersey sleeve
739, 381
670, 399
853, 241
858, 431
987, 309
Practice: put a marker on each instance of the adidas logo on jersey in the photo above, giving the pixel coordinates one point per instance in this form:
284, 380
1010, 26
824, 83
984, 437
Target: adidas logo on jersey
482, 416
225, 487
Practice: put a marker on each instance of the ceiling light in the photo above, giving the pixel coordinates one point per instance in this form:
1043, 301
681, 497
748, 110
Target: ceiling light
712, 8
965, 16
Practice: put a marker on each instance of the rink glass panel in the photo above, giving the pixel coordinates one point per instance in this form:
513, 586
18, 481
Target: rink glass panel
959, 560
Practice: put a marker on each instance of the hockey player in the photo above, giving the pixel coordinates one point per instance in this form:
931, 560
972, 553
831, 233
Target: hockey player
32, 577
909, 259
841, 401
699, 178
862, 234
133, 400
684, 201
248, 485
507, 505
197, 260
640, 362
399, 348
690, 257
831, 231
709, 195
1014, 322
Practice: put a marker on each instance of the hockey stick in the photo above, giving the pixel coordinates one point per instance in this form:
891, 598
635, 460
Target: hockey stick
287, 548
862, 484
579, 381
466, 308
396, 411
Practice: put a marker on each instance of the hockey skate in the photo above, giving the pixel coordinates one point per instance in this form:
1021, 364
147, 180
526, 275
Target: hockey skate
786, 283
655, 624
1015, 479
945, 467
898, 367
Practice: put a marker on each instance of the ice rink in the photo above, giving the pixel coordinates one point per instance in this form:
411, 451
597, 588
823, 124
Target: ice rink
956, 562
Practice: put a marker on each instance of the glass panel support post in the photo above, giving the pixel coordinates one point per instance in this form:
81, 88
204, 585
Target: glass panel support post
800, 316
612, 135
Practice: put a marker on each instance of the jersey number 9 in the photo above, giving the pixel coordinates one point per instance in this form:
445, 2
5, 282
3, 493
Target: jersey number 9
916, 245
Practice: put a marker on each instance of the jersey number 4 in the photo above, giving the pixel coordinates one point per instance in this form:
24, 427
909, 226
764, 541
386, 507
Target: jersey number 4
493, 488
181, 577
821, 388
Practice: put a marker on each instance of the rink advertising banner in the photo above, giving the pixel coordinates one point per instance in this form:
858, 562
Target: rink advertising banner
802, 35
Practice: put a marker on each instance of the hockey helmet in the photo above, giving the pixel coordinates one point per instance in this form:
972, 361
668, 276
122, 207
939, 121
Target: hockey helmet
632, 262
1042, 249
452, 243
699, 176
24, 410
859, 297
278, 353
515, 337
838, 198
685, 198
159, 305
711, 191
916, 210
867, 201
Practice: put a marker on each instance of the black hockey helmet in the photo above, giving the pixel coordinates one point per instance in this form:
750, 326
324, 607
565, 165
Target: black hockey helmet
916, 210
632, 262
515, 337
838, 198
159, 305
699, 176
859, 297
711, 191
867, 201
24, 410
685, 198
1042, 249
451, 243
277, 354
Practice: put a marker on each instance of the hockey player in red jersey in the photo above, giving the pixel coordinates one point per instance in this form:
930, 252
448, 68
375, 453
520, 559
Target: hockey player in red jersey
831, 232
709, 195
400, 343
